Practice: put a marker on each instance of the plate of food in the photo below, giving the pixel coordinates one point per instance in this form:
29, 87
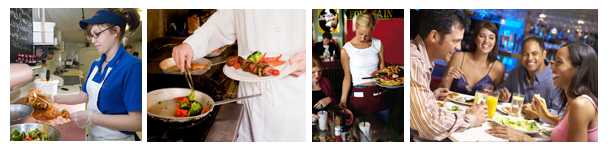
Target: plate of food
518, 123
461, 98
504, 108
452, 107
257, 67
390, 77
197, 66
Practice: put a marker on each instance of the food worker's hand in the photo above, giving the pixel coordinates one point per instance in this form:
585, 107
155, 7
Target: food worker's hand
298, 61
20, 74
83, 119
343, 103
182, 54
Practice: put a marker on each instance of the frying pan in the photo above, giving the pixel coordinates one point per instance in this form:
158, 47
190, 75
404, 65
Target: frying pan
161, 104
169, 66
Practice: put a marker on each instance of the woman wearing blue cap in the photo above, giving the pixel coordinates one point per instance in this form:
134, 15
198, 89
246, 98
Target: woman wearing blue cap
112, 89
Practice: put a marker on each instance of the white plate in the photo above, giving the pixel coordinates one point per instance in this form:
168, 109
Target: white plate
461, 99
503, 108
497, 119
448, 105
240, 75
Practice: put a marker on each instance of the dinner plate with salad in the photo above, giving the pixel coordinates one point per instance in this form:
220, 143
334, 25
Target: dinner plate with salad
518, 123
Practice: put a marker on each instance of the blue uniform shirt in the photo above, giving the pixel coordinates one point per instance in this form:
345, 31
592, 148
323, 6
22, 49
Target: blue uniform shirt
121, 90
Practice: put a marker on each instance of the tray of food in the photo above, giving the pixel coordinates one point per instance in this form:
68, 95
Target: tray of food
390, 77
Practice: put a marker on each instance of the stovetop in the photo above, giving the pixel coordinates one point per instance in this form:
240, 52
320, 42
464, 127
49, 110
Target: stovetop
213, 83
161, 132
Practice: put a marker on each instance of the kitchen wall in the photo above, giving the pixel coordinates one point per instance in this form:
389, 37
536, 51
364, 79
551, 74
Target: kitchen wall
87, 54
21, 32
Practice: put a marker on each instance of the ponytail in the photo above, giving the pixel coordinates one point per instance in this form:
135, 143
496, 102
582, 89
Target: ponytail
130, 16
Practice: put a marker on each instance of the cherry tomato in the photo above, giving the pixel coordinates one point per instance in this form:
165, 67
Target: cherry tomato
275, 72
205, 110
182, 99
181, 113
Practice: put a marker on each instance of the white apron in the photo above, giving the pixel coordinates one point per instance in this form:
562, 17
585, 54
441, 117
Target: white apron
279, 114
95, 132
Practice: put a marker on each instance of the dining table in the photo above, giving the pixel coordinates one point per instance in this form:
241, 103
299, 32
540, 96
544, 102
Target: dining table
379, 130
480, 133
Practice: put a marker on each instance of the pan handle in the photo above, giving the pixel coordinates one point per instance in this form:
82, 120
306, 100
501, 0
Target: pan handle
217, 63
234, 100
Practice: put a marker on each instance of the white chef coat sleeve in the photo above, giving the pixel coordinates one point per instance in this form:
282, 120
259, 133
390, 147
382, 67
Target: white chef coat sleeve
219, 30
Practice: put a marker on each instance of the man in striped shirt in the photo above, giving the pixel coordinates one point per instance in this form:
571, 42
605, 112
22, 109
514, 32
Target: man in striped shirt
440, 33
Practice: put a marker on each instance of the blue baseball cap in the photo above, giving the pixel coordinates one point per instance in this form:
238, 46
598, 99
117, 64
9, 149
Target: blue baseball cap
103, 16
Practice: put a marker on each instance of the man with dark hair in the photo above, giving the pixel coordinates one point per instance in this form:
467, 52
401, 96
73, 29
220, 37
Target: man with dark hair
533, 76
439, 36
326, 45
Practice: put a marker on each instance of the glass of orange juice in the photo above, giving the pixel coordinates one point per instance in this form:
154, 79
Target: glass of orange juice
491, 102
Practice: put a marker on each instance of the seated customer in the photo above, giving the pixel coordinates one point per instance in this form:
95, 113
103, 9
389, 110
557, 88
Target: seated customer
328, 45
533, 76
440, 34
322, 94
575, 74
477, 69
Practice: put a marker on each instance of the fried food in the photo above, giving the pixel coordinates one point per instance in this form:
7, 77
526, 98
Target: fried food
453, 95
44, 110
390, 76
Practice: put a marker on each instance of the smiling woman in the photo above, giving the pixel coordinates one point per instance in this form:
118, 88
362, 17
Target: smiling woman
482, 71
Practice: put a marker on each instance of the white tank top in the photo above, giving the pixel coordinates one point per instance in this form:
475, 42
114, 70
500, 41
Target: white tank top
363, 62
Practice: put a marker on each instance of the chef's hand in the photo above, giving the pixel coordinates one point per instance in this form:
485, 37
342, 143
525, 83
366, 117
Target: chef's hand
322, 103
441, 93
182, 54
507, 133
298, 61
504, 94
83, 119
